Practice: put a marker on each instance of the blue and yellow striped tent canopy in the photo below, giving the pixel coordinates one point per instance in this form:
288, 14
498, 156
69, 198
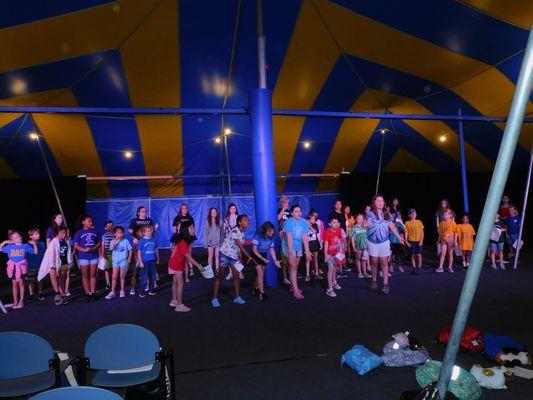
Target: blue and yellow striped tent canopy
405, 57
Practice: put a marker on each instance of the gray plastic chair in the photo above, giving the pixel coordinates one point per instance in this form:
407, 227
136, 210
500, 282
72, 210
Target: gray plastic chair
77, 393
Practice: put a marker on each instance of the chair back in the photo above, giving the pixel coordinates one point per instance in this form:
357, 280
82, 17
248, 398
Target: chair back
121, 346
23, 354
77, 393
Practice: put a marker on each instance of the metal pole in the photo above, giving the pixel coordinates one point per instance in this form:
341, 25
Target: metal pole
227, 166
463, 162
261, 58
523, 214
380, 159
497, 184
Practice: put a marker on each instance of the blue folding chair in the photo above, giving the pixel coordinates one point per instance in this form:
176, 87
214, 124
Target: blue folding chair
126, 355
77, 393
27, 364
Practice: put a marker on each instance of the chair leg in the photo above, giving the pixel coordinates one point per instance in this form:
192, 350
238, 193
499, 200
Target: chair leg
54, 363
172, 375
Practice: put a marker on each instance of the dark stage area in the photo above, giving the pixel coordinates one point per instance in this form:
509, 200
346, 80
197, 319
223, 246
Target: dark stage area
290, 349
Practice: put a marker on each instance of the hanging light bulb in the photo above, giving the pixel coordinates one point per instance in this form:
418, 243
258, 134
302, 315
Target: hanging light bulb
34, 136
128, 154
307, 145
227, 131
382, 131
442, 138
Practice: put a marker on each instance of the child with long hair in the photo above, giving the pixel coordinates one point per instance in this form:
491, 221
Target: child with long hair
177, 264
465, 235
17, 265
230, 251
334, 253
379, 223
184, 216
212, 238
262, 244
106, 252
359, 242
396, 247
447, 239
414, 237
497, 241
34, 263
396, 207
230, 223
87, 243
57, 221
121, 252
350, 222
148, 255
314, 247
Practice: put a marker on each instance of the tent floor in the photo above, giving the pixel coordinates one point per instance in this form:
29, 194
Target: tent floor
290, 349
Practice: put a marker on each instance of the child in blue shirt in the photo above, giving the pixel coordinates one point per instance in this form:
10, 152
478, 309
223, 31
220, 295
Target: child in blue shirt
262, 244
105, 251
513, 222
148, 256
34, 262
17, 265
121, 251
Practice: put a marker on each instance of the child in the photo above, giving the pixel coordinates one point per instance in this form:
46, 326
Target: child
447, 239
334, 253
17, 265
34, 262
148, 256
181, 256
57, 261
359, 241
105, 251
262, 243
397, 248
121, 252
314, 247
350, 222
497, 241
87, 244
465, 233
212, 238
414, 237
231, 249
513, 222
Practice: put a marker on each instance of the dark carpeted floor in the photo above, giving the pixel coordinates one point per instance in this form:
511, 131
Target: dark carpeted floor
288, 349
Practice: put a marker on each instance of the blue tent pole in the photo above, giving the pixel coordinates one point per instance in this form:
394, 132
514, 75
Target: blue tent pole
262, 147
463, 162
497, 184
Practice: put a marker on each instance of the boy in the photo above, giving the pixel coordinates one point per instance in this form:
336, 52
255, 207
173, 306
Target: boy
334, 253
106, 252
34, 263
497, 241
148, 256
414, 237
513, 222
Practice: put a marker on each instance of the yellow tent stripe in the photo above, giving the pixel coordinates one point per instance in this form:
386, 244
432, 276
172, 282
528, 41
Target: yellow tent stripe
404, 161
517, 12
70, 35
152, 67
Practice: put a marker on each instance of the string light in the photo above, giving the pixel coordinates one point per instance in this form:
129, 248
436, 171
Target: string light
128, 154
227, 131
442, 138
383, 131
307, 145
34, 136
218, 140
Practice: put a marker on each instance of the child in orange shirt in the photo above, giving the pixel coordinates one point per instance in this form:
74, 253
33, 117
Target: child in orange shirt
447, 238
465, 235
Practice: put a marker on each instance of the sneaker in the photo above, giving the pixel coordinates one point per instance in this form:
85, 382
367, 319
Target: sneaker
263, 297
239, 300
108, 286
367, 275
331, 293
187, 280
385, 289
502, 267
360, 276
67, 294
110, 295
374, 285
336, 286
241, 276
286, 281
142, 295
19, 305
215, 303
319, 277
41, 297
173, 303
152, 293
256, 292
308, 278
229, 277
450, 270
122, 293
182, 308
440, 269
132, 292
191, 272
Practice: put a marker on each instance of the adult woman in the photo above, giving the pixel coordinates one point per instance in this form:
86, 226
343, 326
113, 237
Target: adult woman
379, 223
212, 237
294, 245
57, 220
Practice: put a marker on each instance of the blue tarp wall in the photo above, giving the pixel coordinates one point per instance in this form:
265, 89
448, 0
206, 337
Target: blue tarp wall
163, 211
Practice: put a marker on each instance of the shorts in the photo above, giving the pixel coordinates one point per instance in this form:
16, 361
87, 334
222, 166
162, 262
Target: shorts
64, 267
314, 245
379, 249
297, 253
109, 264
415, 248
16, 271
120, 264
226, 261
31, 275
496, 246
333, 261
258, 261
85, 262
512, 238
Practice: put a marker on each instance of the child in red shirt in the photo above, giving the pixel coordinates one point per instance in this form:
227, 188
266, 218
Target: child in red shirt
177, 264
334, 253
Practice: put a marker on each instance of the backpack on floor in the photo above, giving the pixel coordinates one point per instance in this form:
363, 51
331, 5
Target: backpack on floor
361, 359
505, 350
471, 342
465, 387
393, 356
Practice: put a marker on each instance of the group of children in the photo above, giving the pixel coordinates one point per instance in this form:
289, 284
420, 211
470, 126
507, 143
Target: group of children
376, 237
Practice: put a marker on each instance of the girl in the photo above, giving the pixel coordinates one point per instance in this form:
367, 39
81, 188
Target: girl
121, 252
177, 264
447, 239
284, 214
334, 250
466, 233
262, 243
321, 226
16, 264
136, 224
294, 245
359, 241
183, 216
497, 241
444, 206
212, 238
86, 243
379, 223
504, 207
350, 222
396, 207
57, 220
231, 250
314, 247
34, 262
230, 223
57, 262
148, 256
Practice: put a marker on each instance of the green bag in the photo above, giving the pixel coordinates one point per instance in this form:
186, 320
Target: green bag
465, 387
